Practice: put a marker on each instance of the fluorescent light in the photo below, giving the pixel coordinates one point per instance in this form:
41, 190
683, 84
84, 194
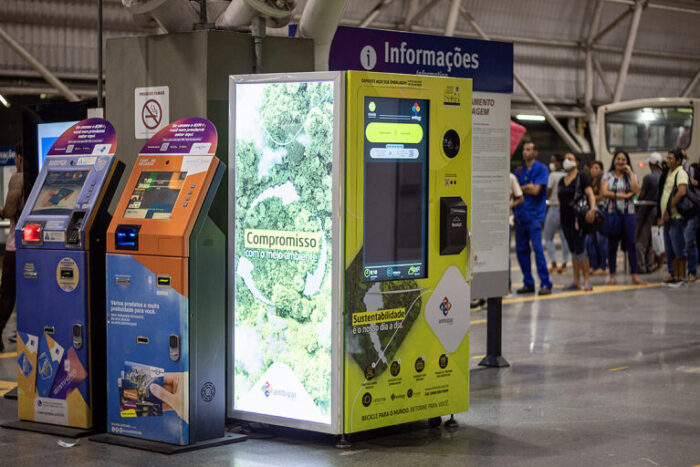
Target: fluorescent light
4, 101
530, 118
647, 115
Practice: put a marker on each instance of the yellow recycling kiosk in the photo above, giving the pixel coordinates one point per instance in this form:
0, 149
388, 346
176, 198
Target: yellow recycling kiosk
348, 249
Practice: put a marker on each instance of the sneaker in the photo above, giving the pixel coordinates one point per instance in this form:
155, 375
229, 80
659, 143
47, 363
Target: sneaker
525, 289
545, 291
571, 286
674, 284
691, 278
13, 337
587, 287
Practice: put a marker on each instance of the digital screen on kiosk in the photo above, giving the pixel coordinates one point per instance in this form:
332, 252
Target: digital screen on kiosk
47, 134
395, 188
60, 192
282, 247
155, 195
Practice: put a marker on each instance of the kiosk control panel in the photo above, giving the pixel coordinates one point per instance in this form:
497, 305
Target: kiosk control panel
166, 293
60, 241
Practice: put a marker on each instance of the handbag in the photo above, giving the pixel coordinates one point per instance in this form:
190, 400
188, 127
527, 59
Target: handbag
689, 205
612, 225
579, 204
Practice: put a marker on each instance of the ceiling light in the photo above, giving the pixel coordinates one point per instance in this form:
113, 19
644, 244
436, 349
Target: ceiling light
530, 118
4, 102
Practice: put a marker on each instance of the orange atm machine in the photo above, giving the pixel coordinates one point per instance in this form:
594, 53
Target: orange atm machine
166, 273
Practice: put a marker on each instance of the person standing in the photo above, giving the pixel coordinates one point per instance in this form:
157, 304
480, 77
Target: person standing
673, 223
11, 210
646, 215
619, 186
516, 199
571, 187
596, 243
529, 217
552, 222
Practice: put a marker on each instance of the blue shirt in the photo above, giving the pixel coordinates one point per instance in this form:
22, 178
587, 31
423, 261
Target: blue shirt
534, 207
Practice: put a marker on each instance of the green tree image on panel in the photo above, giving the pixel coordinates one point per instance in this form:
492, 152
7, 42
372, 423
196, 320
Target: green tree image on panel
284, 152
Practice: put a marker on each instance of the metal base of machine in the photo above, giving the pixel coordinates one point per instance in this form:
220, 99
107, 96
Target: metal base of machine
165, 448
11, 394
494, 361
49, 429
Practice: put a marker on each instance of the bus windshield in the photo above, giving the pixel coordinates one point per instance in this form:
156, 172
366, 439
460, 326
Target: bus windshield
645, 129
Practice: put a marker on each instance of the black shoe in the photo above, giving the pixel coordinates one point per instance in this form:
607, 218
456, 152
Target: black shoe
13, 337
545, 291
2, 346
525, 289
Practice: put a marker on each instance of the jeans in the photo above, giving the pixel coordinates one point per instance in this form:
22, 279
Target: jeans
629, 227
691, 246
527, 233
597, 249
674, 240
552, 223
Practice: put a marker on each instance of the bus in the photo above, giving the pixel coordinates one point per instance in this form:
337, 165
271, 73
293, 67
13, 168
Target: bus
643, 126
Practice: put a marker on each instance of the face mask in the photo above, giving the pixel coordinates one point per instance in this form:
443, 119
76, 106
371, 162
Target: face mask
569, 165
552, 167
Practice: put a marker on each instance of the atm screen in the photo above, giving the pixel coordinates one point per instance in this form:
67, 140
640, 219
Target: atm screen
155, 195
396, 188
59, 192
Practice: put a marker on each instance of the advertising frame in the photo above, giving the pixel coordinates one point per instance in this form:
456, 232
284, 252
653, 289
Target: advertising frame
336, 268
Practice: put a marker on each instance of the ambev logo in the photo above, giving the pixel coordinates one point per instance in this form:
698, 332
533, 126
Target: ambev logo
445, 306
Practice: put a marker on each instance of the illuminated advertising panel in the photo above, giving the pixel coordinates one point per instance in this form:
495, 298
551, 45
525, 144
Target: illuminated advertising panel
282, 249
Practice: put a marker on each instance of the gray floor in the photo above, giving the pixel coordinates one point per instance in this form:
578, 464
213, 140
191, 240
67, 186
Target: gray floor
597, 379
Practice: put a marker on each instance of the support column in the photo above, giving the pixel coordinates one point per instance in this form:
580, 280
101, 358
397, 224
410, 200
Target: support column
452, 17
494, 329
588, 89
629, 46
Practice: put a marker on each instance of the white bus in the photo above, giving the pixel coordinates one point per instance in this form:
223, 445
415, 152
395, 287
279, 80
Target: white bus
643, 126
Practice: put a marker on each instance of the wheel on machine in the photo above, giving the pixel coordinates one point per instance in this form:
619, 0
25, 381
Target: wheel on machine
435, 422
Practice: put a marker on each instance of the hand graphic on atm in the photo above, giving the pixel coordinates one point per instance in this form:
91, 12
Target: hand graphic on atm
173, 394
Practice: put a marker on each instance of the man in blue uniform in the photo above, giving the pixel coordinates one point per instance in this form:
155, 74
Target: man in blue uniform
529, 217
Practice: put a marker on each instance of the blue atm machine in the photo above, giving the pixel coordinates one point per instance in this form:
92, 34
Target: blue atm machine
61, 284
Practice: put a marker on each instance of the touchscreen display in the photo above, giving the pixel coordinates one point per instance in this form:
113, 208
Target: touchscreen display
155, 195
396, 186
59, 192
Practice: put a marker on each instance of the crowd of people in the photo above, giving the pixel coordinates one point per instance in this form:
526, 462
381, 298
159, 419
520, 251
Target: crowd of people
598, 211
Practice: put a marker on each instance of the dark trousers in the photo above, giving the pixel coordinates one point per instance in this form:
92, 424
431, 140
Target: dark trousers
8, 289
629, 228
645, 250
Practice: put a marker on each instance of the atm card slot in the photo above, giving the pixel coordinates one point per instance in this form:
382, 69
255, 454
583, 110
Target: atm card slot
31, 274
122, 280
49, 329
141, 340
66, 273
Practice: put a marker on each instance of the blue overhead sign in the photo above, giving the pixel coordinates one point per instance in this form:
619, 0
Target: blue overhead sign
488, 63
7, 156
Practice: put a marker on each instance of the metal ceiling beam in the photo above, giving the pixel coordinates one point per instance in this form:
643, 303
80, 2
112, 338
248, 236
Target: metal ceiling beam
660, 6
601, 73
588, 74
374, 13
410, 10
612, 25
43, 71
561, 131
452, 17
519, 40
629, 46
421, 13
691, 84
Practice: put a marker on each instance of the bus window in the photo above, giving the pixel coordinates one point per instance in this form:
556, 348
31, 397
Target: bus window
645, 129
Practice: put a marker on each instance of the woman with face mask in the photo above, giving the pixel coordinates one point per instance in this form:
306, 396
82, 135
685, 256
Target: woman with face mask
573, 186
552, 223
619, 186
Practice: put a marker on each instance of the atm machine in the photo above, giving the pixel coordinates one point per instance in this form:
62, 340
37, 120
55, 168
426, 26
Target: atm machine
166, 296
349, 249
60, 283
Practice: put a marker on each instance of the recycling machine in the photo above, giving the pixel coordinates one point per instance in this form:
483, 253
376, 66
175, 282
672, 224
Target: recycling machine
349, 249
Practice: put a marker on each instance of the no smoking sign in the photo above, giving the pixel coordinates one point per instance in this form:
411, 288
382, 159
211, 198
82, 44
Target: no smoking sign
151, 110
